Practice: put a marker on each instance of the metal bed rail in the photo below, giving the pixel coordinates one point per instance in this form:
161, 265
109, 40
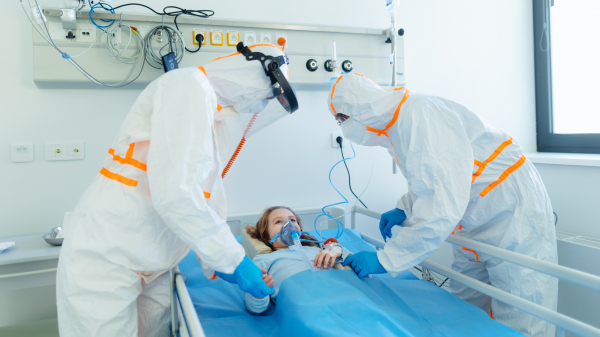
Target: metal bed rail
562, 322
184, 319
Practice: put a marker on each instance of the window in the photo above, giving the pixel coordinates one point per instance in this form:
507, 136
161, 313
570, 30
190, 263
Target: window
567, 75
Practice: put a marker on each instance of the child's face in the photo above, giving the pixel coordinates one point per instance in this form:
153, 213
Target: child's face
276, 220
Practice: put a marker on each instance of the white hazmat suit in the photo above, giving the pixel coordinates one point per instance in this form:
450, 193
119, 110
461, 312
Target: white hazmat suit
464, 177
159, 194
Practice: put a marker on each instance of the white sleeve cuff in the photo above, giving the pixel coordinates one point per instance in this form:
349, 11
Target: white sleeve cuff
257, 305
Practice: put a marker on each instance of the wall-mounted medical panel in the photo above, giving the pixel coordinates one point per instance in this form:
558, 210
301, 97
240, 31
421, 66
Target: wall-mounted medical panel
366, 49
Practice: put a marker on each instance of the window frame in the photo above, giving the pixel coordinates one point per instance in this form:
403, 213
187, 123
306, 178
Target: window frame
547, 140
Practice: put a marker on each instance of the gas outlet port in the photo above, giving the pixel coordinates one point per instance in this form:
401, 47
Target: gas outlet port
312, 65
328, 66
347, 66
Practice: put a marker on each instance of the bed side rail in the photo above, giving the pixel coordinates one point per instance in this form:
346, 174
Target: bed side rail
563, 322
189, 322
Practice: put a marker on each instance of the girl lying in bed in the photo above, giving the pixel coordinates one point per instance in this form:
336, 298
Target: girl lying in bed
283, 262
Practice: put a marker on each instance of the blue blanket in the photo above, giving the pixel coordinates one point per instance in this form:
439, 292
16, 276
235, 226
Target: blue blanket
338, 303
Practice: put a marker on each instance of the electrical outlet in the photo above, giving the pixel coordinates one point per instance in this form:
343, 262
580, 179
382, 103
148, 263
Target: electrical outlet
59, 34
196, 32
233, 37
249, 38
265, 37
64, 151
86, 34
334, 143
21, 152
216, 38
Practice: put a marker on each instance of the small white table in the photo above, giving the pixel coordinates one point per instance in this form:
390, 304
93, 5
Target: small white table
27, 279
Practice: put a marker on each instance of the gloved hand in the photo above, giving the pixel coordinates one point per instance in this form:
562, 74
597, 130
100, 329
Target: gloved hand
365, 263
389, 220
248, 277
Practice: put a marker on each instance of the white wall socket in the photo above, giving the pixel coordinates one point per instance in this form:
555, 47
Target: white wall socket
64, 151
334, 143
21, 152
249, 38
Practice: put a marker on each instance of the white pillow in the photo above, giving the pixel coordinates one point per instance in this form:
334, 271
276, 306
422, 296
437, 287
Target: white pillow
253, 246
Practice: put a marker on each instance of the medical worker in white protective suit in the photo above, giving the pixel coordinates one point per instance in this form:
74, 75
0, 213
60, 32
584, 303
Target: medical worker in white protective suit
464, 177
159, 194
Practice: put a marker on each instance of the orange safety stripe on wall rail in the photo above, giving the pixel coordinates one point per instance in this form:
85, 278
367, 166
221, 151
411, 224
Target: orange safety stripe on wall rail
503, 176
472, 251
128, 158
118, 177
492, 157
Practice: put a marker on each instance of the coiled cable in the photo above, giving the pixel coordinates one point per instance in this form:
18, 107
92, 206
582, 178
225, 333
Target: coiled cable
175, 42
113, 45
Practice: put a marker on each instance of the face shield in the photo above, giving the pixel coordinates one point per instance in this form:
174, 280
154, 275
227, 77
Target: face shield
282, 90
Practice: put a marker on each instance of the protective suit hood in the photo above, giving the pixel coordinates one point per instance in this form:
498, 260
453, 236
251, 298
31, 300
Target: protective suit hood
242, 84
375, 106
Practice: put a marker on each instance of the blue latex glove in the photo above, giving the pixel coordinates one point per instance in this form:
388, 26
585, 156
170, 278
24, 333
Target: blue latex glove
389, 220
248, 277
365, 263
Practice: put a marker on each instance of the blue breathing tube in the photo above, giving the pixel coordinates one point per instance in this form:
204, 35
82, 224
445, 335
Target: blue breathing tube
340, 226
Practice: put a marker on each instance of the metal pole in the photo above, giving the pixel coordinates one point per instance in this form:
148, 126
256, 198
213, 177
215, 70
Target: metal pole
183, 331
561, 321
568, 274
393, 36
174, 320
546, 314
28, 273
191, 316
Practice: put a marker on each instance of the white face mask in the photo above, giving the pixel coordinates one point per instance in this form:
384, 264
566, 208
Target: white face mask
357, 133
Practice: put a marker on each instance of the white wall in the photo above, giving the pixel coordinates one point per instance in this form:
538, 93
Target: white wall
477, 53
575, 195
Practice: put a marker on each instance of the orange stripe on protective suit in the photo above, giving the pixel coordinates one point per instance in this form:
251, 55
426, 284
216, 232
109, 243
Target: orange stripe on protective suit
118, 177
491, 158
128, 158
394, 118
503, 176
240, 145
472, 251
332, 91
204, 71
457, 229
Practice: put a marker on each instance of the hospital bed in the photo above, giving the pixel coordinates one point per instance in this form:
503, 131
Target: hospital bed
419, 308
